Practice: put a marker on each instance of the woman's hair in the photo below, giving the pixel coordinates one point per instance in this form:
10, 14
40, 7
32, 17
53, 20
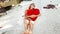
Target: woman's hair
31, 5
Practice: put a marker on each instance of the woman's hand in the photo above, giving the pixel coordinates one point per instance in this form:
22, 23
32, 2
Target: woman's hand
33, 16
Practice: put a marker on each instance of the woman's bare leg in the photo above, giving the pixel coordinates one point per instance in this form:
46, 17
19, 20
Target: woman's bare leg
26, 27
31, 28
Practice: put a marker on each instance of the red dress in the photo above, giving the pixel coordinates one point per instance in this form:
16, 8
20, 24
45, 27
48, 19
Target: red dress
33, 12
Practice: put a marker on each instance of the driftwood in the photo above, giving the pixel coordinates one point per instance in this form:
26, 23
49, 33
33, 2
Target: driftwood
2, 9
2, 0
49, 6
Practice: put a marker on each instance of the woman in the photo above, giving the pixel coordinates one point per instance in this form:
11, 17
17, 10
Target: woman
31, 14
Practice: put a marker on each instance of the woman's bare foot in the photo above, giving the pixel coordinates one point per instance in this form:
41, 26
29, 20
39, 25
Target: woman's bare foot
26, 32
30, 32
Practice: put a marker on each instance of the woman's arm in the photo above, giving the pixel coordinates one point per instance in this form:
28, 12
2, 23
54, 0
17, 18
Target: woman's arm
25, 15
32, 16
37, 15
